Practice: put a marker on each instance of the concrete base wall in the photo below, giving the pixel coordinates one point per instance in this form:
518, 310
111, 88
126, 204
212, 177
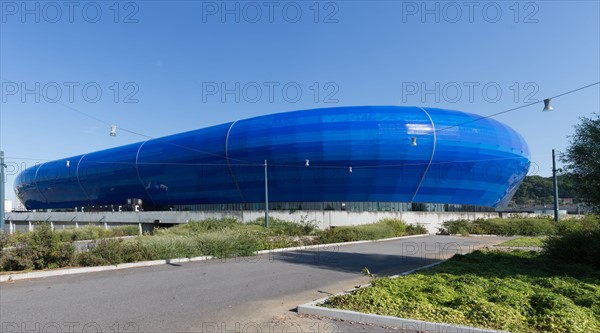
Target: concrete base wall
146, 220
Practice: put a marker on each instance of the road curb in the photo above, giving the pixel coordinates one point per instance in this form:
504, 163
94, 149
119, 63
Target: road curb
312, 308
387, 321
316, 246
81, 270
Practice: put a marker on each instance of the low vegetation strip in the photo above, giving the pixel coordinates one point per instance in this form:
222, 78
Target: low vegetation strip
222, 238
519, 226
89, 232
524, 242
519, 291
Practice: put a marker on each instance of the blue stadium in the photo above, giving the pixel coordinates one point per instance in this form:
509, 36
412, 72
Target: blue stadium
343, 154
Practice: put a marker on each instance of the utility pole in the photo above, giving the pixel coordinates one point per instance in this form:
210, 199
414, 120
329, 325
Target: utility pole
266, 197
2, 203
554, 176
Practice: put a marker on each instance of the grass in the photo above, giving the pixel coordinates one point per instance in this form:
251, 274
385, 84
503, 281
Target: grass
385, 228
89, 232
521, 226
223, 244
517, 291
220, 238
525, 242
229, 238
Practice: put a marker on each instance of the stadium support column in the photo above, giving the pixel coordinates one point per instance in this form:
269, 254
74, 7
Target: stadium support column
3, 205
266, 197
556, 217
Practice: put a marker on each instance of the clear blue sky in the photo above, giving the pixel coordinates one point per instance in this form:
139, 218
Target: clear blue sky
168, 57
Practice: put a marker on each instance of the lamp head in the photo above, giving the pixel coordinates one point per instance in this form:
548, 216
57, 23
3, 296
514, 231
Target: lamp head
547, 106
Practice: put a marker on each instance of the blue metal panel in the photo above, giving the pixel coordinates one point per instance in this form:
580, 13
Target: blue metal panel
57, 183
110, 176
459, 158
186, 168
477, 161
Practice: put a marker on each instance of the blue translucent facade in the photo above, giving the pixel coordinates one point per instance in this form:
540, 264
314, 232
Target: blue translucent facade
354, 154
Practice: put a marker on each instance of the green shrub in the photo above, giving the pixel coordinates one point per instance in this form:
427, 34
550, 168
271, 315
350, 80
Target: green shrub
104, 252
128, 230
588, 222
518, 226
17, 238
338, 235
41, 249
91, 232
157, 247
83, 233
455, 227
354, 233
4, 241
232, 244
398, 226
221, 244
200, 227
214, 225
416, 229
581, 246
384, 228
288, 228
502, 227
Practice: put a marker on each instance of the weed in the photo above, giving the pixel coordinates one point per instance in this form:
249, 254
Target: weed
518, 291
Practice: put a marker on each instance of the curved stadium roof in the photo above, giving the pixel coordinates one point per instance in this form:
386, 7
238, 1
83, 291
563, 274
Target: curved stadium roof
354, 154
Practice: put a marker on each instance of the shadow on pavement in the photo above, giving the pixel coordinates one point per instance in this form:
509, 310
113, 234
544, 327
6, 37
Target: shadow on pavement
378, 264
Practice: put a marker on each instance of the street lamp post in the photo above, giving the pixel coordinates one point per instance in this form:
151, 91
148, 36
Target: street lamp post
2, 203
555, 183
266, 197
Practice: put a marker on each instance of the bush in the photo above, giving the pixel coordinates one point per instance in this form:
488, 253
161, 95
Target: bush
338, 235
385, 228
220, 244
416, 229
519, 226
104, 252
588, 222
456, 227
580, 246
502, 227
41, 249
91, 232
282, 227
128, 230
214, 225
200, 227
83, 233
4, 241
235, 244
398, 226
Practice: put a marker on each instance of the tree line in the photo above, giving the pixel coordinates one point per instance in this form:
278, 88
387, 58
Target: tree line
540, 191
580, 176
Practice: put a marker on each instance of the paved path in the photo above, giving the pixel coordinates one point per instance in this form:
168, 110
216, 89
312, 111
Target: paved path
255, 294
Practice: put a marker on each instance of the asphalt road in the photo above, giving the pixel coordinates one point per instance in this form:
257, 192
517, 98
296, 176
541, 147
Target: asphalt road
253, 294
